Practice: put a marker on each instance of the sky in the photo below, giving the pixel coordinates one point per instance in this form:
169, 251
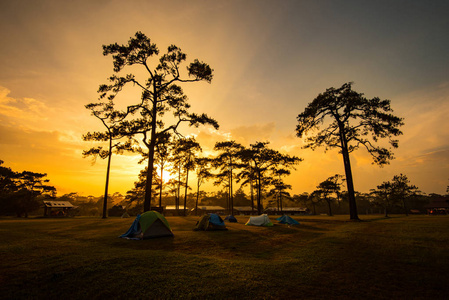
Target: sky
270, 59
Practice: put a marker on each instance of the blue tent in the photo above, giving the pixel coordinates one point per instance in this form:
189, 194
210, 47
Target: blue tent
231, 218
216, 220
287, 220
135, 226
210, 222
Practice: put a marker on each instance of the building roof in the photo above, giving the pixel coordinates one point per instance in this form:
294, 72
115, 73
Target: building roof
58, 204
173, 207
288, 208
211, 208
244, 208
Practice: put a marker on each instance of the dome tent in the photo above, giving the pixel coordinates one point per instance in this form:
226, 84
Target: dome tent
210, 222
150, 224
261, 220
231, 219
287, 220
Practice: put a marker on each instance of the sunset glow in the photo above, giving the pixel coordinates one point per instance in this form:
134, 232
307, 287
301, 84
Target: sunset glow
270, 59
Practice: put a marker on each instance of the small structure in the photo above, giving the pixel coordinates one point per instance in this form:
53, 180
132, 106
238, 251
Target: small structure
202, 210
293, 211
57, 208
170, 210
158, 209
439, 206
244, 210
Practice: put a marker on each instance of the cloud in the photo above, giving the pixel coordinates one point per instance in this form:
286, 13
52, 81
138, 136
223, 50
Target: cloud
58, 155
208, 137
250, 134
32, 146
244, 135
432, 156
25, 109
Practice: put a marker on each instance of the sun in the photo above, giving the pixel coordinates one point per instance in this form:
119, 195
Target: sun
166, 176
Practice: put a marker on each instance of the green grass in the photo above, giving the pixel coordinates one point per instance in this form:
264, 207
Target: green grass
322, 258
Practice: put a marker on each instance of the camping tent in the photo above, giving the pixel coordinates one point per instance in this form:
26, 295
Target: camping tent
287, 220
210, 222
261, 220
231, 218
150, 224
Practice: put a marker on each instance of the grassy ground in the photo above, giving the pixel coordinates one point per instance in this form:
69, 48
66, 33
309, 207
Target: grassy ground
322, 258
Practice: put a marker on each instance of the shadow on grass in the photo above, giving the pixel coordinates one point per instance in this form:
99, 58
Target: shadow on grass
238, 242
380, 218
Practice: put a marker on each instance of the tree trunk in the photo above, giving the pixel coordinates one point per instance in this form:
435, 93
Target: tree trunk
149, 183
259, 193
228, 201
160, 190
228, 207
280, 202
197, 197
231, 197
330, 209
185, 193
178, 197
105, 200
350, 184
252, 190
405, 207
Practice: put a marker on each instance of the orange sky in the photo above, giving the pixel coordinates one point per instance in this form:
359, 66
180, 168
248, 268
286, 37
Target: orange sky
271, 58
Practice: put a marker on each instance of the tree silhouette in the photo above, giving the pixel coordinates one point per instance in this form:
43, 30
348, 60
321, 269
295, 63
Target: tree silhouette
355, 121
20, 190
159, 93
137, 193
247, 176
383, 196
186, 150
281, 168
202, 174
279, 189
314, 198
226, 161
7, 176
264, 161
403, 190
161, 158
330, 189
110, 119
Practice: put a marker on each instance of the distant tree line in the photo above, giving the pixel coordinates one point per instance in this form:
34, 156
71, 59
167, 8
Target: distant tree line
23, 192
390, 197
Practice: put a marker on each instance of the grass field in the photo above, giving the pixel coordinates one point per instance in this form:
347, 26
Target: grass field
322, 258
